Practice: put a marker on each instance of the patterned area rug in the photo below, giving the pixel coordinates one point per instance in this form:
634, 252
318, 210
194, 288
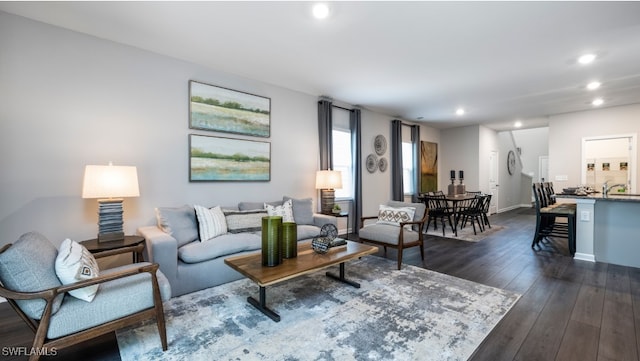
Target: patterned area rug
464, 234
411, 314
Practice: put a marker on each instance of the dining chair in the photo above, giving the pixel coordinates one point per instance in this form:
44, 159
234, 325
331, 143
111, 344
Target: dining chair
439, 209
471, 210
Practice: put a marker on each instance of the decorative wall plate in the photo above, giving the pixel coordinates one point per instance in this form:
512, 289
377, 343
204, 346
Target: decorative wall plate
372, 163
383, 164
511, 162
380, 144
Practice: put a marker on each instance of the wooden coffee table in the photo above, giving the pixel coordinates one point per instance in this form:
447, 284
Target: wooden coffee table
307, 261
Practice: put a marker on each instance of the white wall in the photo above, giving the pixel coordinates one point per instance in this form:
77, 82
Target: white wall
69, 100
566, 132
459, 148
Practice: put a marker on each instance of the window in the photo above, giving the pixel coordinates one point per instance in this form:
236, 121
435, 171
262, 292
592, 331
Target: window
342, 159
408, 168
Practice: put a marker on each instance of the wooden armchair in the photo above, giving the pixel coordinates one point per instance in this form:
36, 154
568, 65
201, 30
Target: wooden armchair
127, 295
402, 234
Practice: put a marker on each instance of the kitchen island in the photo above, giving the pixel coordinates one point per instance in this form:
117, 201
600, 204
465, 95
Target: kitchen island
607, 229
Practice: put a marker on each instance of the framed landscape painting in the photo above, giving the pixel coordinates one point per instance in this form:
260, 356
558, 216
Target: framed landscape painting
226, 159
224, 110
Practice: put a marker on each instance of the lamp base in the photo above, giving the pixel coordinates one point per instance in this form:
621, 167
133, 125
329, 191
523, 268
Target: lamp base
110, 220
327, 200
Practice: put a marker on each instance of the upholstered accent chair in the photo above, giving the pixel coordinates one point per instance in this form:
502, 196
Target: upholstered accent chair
396, 227
125, 296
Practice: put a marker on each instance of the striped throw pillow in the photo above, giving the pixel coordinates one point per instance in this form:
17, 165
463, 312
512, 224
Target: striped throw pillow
244, 221
211, 222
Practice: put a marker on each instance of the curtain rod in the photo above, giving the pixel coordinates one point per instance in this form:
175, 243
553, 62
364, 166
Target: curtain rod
339, 107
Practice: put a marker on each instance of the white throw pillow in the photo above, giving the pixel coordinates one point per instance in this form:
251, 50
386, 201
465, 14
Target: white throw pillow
211, 222
285, 211
75, 263
393, 216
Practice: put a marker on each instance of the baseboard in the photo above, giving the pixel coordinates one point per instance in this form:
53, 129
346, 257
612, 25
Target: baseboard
585, 257
514, 207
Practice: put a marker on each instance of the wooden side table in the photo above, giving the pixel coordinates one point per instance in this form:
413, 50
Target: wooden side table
134, 244
342, 215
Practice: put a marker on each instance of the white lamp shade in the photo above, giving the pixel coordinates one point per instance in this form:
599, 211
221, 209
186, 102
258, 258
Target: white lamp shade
328, 179
110, 181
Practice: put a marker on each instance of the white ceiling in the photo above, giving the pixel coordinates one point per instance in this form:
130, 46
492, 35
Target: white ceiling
501, 61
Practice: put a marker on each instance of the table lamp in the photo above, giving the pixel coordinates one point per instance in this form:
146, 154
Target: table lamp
327, 181
110, 183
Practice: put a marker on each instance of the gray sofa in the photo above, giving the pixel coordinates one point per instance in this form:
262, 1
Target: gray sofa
191, 265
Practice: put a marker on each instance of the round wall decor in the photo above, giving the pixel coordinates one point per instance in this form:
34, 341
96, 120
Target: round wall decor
372, 163
511, 162
380, 144
383, 164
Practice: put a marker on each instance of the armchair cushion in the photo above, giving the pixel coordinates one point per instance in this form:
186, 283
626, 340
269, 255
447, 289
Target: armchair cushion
75, 263
387, 233
302, 210
29, 266
117, 298
178, 222
393, 216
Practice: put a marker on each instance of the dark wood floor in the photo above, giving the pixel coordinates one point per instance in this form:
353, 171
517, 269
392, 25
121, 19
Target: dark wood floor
569, 310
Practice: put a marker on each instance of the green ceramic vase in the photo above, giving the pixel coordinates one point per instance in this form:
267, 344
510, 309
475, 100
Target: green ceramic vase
271, 241
290, 239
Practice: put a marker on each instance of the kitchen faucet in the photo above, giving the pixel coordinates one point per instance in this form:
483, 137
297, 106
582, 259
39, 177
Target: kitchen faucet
606, 189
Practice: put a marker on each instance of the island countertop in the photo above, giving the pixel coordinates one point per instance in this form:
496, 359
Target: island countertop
613, 197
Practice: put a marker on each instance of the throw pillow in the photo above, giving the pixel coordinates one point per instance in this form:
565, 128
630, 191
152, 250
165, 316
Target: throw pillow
393, 216
178, 222
29, 266
244, 221
302, 210
75, 263
211, 222
285, 211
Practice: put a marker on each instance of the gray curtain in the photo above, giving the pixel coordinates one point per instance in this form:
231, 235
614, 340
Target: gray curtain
397, 193
325, 126
356, 155
415, 139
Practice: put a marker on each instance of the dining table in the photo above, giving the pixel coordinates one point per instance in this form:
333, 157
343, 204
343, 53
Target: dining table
454, 200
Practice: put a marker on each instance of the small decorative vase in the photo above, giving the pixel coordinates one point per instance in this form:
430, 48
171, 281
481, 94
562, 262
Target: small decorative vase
271, 241
289, 240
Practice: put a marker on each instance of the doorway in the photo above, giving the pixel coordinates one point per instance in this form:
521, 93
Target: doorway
493, 181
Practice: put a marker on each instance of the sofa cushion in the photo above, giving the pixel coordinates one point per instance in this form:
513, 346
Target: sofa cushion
246, 206
285, 211
302, 209
211, 222
224, 245
306, 231
393, 216
75, 263
244, 221
29, 266
178, 222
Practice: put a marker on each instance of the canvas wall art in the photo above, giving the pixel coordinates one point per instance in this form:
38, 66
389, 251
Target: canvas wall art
227, 159
428, 167
224, 110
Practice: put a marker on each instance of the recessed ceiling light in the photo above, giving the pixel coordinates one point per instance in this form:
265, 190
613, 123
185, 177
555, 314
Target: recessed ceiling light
320, 11
460, 111
586, 59
597, 102
517, 124
593, 85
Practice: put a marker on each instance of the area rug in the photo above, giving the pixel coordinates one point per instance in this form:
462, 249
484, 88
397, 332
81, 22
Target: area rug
408, 314
464, 234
